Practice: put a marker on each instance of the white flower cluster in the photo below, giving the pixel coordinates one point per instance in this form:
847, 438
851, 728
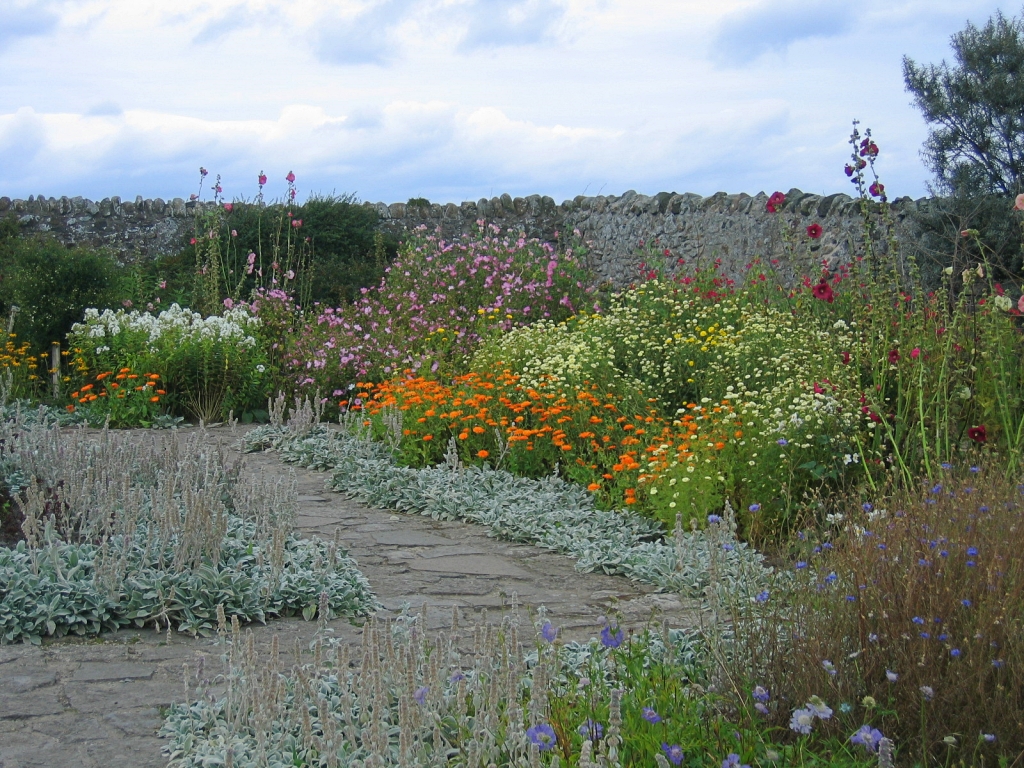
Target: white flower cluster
183, 325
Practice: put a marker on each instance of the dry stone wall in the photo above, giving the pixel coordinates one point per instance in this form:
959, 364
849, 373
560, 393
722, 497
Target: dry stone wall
699, 230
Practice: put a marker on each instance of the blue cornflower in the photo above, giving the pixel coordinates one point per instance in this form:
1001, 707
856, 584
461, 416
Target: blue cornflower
998, 663
760, 693
782, 441
975, 470
946, 465
867, 506
831, 578
850, 598
801, 564
965, 603
754, 508
650, 715
611, 636
543, 735
955, 653
970, 563
936, 489
972, 551
827, 545
714, 519
673, 752
923, 562
925, 635
591, 729
868, 737
421, 695
762, 596
943, 553
917, 620
983, 508
942, 638
548, 632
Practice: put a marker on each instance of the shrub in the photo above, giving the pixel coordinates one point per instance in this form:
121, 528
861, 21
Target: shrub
53, 285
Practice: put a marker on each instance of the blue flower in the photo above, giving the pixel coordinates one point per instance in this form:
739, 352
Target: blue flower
946, 465
997, 663
548, 632
714, 518
917, 620
762, 596
732, 760
591, 730
802, 721
972, 551
891, 676
955, 653
866, 506
760, 693
965, 603
728, 547
457, 677
846, 708
754, 508
850, 598
828, 666
673, 752
421, 695
801, 564
782, 441
975, 469
611, 636
867, 737
936, 489
989, 737
650, 715
543, 735
831, 577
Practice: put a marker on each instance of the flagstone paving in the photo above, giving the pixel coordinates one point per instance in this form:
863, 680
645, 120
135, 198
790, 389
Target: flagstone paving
99, 702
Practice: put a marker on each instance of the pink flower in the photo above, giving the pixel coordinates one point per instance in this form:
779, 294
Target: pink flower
290, 178
193, 197
229, 207
1018, 204
1020, 304
192, 241
262, 178
296, 223
894, 356
203, 171
823, 291
877, 189
915, 353
163, 284
250, 259
229, 303
290, 274
234, 233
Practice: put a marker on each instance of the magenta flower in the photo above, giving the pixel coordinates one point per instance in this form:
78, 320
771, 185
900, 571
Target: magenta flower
290, 178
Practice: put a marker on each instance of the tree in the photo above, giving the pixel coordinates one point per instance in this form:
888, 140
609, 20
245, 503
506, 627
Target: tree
975, 110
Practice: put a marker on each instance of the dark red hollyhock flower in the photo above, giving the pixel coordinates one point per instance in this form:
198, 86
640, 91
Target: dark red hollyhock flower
846, 357
894, 356
877, 189
978, 434
823, 291
814, 231
775, 201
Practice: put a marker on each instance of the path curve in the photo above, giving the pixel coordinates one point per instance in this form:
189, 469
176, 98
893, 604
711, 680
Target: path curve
97, 702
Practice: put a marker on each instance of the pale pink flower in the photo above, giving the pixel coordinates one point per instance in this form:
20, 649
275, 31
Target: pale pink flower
290, 178
1018, 204
234, 233
229, 303
1020, 304
163, 284
290, 275
229, 207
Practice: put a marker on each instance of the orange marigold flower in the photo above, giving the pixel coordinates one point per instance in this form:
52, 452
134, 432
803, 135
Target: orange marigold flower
478, 430
428, 437
87, 387
482, 454
154, 399
593, 487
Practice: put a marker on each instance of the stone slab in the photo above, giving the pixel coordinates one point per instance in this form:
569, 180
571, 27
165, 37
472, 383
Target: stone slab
474, 565
95, 671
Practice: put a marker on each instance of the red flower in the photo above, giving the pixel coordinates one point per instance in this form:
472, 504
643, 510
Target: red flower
977, 434
915, 352
814, 231
777, 200
894, 356
846, 357
823, 291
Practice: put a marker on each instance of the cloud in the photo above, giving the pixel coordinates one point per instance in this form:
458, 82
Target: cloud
364, 38
495, 23
26, 20
234, 18
22, 140
105, 109
774, 27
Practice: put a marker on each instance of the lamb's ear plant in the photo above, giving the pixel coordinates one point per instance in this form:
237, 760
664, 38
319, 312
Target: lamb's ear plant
120, 534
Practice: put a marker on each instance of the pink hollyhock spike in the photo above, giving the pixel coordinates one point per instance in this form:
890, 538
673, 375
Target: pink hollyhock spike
290, 178
262, 178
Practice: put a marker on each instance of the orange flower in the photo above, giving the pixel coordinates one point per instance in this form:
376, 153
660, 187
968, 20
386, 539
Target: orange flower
87, 387
478, 430
154, 399
593, 487
428, 437
125, 370
482, 454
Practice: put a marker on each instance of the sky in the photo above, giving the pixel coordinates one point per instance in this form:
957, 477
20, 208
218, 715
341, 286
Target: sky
456, 100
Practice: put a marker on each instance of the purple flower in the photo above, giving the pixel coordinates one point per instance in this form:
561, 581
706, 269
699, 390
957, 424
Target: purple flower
591, 730
732, 760
891, 676
802, 721
650, 715
543, 735
828, 666
714, 519
867, 737
761, 708
927, 692
801, 564
754, 508
548, 632
673, 752
760, 694
611, 636
421, 695
762, 596
820, 709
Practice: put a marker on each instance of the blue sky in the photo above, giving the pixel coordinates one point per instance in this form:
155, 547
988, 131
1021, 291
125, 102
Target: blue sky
456, 100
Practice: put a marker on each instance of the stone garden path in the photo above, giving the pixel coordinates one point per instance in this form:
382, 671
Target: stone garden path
98, 702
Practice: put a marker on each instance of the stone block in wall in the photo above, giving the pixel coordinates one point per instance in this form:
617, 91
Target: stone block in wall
105, 207
483, 208
450, 211
506, 203
397, 211
469, 210
5, 204
434, 211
